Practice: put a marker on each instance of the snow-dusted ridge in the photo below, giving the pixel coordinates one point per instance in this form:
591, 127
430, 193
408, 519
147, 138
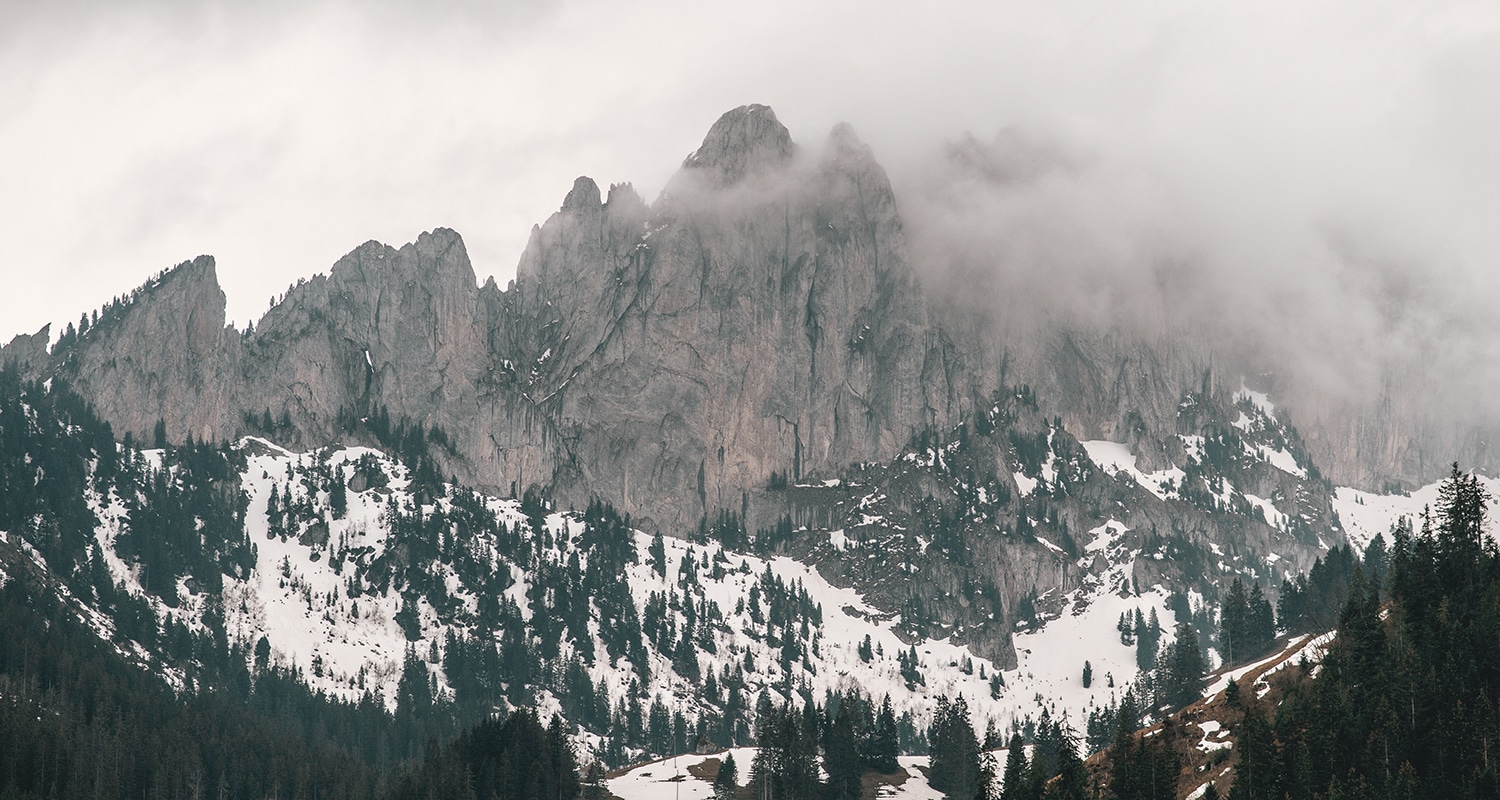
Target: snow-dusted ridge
310, 596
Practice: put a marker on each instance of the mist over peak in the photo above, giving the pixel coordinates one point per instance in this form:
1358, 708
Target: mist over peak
744, 141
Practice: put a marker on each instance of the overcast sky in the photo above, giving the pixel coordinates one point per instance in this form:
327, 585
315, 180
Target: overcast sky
135, 136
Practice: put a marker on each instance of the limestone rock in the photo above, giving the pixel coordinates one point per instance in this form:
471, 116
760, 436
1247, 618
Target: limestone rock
744, 142
27, 351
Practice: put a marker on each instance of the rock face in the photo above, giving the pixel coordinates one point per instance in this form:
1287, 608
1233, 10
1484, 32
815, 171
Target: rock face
27, 351
168, 356
759, 320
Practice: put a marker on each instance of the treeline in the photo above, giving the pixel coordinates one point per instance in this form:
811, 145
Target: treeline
410, 441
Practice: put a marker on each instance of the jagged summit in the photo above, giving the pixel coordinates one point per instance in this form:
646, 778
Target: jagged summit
438, 252
27, 349
584, 194
742, 142
843, 136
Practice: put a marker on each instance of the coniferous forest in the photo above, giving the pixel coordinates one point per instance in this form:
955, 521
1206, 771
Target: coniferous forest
1404, 705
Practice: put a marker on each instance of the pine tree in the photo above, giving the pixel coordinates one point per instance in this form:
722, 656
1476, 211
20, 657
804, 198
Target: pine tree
1072, 781
338, 497
885, 742
727, 780
1184, 677
785, 766
1144, 767
1259, 773
954, 750
1260, 624
1147, 636
1233, 614
841, 757
1014, 785
658, 552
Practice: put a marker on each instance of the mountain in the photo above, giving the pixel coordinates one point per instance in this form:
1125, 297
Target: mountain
762, 316
703, 457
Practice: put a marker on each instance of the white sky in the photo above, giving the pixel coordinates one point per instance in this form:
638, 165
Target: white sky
278, 139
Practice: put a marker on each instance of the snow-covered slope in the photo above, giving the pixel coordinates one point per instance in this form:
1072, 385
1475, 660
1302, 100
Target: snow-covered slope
316, 595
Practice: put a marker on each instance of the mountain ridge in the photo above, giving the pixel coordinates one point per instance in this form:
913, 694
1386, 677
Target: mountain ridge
757, 253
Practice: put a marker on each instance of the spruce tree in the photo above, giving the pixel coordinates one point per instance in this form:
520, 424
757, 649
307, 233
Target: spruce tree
1233, 614
1147, 637
1184, 677
841, 757
658, 552
1013, 786
885, 742
1072, 780
726, 781
954, 750
338, 496
1260, 624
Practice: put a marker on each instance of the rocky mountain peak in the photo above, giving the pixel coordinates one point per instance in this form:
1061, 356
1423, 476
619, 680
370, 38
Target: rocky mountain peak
437, 260
583, 196
853, 177
843, 138
744, 141
846, 152
158, 355
27, 350
624, 195
445, 249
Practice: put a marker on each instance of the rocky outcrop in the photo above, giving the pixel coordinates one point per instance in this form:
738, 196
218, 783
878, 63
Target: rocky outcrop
756, 331
166, 357
27, 351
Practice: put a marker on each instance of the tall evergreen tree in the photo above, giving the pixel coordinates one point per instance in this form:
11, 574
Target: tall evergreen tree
338, 493
1014, 785
1234, 612
885, 741
1260, 624
1183, 681
954, 750
841, 757
727, 780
